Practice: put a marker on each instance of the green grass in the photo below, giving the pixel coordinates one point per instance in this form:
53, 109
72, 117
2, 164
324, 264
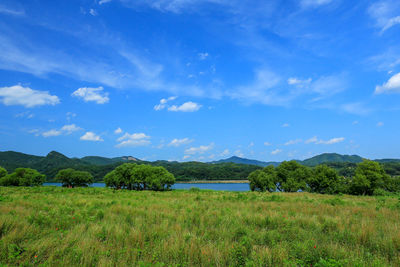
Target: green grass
51, 226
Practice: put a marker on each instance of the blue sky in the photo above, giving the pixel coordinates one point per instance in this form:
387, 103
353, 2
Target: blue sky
200, 79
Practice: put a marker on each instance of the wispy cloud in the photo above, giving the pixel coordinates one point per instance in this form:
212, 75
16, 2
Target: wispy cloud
203, 56
163, 103
135, 139
293, 142
276, 151
331, 141
66, 130
314, 3
27, 97
179, 142
385, 13
199, 150
10, 11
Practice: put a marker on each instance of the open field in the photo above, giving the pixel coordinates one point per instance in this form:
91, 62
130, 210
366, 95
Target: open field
99, 226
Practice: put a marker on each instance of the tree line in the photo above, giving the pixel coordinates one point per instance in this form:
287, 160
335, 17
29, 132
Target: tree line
368, 178
129, 176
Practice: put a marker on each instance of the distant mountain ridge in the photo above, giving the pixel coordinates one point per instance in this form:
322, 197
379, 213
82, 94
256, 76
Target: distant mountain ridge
239, 160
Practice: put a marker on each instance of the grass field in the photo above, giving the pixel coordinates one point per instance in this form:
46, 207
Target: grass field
51, 226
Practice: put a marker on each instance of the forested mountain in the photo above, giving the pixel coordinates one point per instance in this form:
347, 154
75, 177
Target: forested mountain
233, 168
240, 160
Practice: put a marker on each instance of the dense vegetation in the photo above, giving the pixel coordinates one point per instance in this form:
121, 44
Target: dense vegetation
139, 177
369, 178
54, 226
21, 177
73, 178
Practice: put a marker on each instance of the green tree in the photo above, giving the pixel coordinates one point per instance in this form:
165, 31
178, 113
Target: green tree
369, 176
121, 177
324, 180
263, 180
23, 177
73, 178
291, 176
3, 172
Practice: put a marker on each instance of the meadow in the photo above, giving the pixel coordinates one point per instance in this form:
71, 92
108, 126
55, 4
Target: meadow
54, 226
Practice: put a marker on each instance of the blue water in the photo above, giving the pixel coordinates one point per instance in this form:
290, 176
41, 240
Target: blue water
212, 186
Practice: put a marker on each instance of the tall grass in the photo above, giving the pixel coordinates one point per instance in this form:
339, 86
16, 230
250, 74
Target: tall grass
51, 226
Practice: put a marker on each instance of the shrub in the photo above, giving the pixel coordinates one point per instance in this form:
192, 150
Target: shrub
23, 177
73, 178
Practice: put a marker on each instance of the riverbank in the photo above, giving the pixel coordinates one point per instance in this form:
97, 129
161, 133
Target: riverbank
54, 226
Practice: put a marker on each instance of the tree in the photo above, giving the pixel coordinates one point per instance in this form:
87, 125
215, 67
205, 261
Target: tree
73, 178
291, 176
23, 177
369, 176
3, 172
139, 177
263, 180
324, 180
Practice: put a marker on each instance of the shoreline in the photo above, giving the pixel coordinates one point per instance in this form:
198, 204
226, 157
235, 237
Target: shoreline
214, 182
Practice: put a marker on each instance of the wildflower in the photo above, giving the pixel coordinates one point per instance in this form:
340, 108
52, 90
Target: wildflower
315, 246
35, 256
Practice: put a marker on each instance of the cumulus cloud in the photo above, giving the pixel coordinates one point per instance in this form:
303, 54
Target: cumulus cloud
391, 86
66, 130
27, 97
178, 142
135, 139
331, 141
199, 150
91, 136
89, 94
118, 130
276, 151
185, 107
163, 103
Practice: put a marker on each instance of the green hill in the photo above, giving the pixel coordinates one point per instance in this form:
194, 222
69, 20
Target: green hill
96, 160
239, 160
331, 157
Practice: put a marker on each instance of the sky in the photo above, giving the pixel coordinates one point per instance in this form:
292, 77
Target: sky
200, 80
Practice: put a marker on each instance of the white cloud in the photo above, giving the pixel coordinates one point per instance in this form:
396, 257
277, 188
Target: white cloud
391, 86
251, 144
285, 125
293, 142
225, 153
199, 150
380, 124
104, 1
239, 153
163, 103
203, 56
70, 115
314, 3
331, 141
267, 144
26, 114
135, 139
93, 12
12, 12
355, 108
27, 97
385, 13
70, 128
118, 131
185, 107
66, 129
92, 94
52, 133
299, 82
186, 157
276, 151
178, 142
91, 136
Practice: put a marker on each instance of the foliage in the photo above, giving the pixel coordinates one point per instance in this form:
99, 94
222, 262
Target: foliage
139, 177
73, 178
292, 176
369, 176
324, 180
263, 180
3, 172
23, 177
